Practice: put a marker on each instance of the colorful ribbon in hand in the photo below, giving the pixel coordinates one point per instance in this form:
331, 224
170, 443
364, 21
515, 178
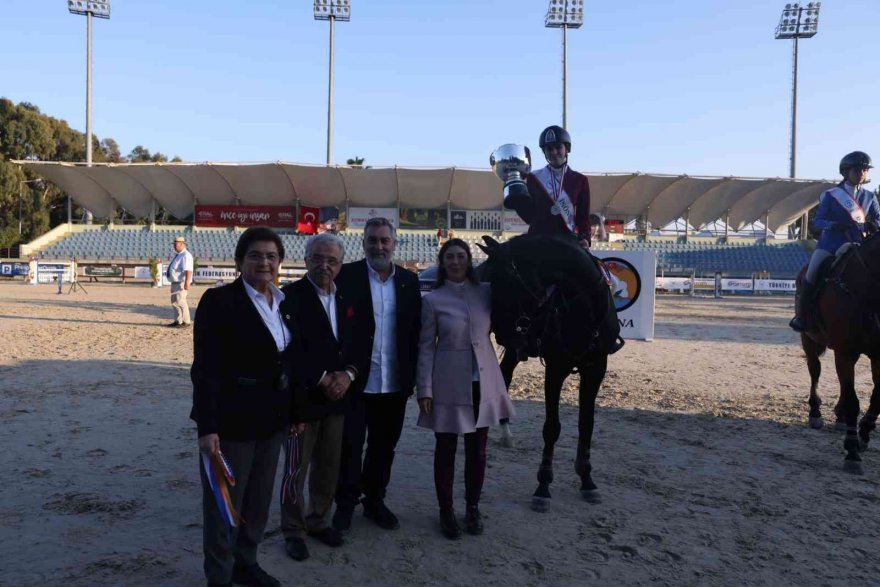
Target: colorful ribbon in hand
291, 468
220, 478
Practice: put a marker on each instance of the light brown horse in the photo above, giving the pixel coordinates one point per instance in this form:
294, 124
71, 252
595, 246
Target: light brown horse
847, 320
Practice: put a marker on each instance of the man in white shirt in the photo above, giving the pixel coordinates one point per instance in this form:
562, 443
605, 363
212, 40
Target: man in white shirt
387, 310
179, 274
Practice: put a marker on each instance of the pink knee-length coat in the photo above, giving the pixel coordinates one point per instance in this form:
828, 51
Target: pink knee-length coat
455, 331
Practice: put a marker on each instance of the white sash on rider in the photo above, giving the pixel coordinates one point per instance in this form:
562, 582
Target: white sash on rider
562, 205
849, 203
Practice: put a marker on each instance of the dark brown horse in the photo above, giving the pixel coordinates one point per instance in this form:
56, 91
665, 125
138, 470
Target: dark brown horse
549, 300
847, 320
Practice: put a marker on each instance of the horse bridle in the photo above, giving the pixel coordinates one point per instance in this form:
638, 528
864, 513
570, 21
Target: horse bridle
524, 321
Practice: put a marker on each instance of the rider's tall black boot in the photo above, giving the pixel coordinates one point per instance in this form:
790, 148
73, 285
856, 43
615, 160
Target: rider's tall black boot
802, 303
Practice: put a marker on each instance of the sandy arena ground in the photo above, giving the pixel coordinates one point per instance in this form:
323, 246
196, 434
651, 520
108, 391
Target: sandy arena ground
708, 472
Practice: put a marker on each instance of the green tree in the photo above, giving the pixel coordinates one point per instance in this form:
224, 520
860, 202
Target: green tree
355, 161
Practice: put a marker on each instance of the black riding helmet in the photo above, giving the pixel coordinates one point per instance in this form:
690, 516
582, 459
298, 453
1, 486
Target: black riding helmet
555, 134
858, 159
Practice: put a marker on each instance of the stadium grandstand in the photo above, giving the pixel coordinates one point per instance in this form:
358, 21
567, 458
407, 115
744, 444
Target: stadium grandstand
466, 200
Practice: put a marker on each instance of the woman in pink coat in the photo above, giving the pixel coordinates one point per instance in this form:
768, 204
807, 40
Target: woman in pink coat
459, 383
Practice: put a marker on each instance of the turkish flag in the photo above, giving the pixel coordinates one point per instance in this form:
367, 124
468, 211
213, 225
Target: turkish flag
309, 219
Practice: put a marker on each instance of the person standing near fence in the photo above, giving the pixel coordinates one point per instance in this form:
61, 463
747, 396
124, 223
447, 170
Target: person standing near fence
179, 274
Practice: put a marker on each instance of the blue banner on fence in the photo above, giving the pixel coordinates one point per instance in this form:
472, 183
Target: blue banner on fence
13, 269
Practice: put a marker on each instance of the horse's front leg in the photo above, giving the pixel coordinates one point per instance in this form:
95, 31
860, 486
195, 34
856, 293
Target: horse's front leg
553, 378
813, 350
849, 408
592, 375
509, 361
869, 421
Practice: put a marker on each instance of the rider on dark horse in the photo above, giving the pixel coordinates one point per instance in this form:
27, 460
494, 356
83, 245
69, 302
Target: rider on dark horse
560, 195
844, 213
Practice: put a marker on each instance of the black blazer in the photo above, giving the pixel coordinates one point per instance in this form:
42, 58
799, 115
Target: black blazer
355, 280
238, 389
318, 351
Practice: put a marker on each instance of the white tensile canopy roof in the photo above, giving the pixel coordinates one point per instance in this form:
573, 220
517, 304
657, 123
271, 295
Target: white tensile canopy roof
179, 186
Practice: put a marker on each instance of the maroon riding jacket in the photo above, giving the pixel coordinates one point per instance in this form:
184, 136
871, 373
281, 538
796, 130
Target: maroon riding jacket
543, 222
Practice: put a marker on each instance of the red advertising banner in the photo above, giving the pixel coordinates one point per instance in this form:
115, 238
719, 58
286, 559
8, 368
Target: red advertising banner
615, 226
278, 216
309, 219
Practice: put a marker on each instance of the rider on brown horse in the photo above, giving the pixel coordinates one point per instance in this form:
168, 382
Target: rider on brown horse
844, 213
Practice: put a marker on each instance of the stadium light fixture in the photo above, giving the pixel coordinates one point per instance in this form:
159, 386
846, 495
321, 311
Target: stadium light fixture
98, 9
565, 14
331, 10
798, 21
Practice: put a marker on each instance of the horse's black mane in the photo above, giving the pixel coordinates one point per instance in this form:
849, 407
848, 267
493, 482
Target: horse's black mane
554, 259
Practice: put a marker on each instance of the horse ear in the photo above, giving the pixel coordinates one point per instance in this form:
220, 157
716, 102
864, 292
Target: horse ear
490, 242
485, 249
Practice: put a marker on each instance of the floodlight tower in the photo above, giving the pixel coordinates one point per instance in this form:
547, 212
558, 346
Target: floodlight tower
331, 10
798, 21
88, 8
565, 14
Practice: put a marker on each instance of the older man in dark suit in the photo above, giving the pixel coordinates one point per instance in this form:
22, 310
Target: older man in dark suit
328, 365
388, 313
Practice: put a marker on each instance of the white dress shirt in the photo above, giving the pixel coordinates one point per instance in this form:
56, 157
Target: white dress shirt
383, 363
271, 315
328, 300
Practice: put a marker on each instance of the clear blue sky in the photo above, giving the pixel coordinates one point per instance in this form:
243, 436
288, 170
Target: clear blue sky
681, 86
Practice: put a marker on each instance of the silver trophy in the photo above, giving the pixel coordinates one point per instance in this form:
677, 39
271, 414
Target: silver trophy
512, 163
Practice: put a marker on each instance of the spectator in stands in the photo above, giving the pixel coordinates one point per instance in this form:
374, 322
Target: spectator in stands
844, 213
242, 354
460, 387
179, 274
597, 228
388, 308
328, 366
560, 195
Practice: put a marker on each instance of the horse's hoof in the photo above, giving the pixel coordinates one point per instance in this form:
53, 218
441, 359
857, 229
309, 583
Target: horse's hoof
853, 467
816, 423
840, 426
591, 495
540, 504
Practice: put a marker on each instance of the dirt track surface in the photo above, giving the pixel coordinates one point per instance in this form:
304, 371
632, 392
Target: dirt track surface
707, 470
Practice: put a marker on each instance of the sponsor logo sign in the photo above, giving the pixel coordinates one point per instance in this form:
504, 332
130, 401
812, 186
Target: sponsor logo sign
513, 223
13, 269
112, 271
358, 217
51, 272
633, 282
278, 216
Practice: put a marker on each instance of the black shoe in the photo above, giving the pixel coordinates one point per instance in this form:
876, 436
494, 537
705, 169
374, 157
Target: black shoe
473, 520
449, 525
296, 548
328, 536
173, 325
253, 575
342, 518
797, 324
379, 513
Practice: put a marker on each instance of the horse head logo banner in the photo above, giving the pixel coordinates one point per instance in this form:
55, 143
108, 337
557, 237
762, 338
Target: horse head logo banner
626, 283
